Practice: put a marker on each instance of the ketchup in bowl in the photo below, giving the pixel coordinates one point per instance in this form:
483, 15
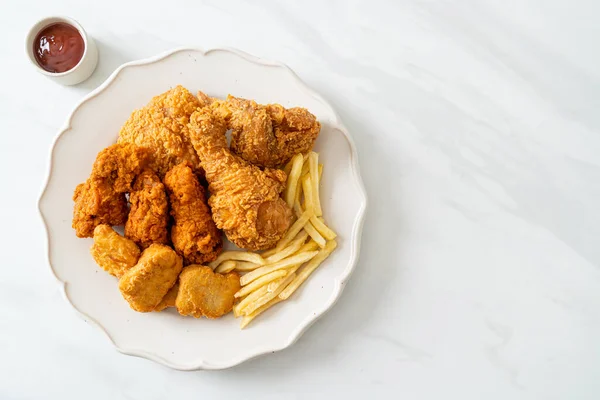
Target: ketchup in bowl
58, 47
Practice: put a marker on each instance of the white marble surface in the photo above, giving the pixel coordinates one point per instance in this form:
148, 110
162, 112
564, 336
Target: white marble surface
478, 130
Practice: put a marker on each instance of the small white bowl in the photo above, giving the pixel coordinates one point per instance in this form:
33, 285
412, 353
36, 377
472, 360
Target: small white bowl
79, 72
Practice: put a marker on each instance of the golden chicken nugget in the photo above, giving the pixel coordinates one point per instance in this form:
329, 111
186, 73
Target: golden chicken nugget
112, 252
169, 299
147, 283
204, 292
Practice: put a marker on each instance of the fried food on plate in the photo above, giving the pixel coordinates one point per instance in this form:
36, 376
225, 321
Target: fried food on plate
147, 283
194, 234
97, 203
162, 126
112, 252
203, 292
245, 200
266, 135
149, 214
101, 199
169, 299
119, 164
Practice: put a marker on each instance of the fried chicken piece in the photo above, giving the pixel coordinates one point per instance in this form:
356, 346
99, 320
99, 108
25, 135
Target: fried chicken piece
97, 203
162, 126
112, 252
119, 164
244, 199
203, 292
194, 234
101, 199
149, 213
169, 299
266, 135
147, 283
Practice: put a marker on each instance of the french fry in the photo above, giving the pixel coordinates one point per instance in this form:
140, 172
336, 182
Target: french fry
310, 246
307, 187
320, 172
248, 318
293, 230
226, 266
263, 280
238, 256
239, 307
292, 180
289, 250
314, 234
313, 162
297, 204
308, 269
323, 229
285, 263
305, 165
288, 166
278, 287
245, 266
298, 209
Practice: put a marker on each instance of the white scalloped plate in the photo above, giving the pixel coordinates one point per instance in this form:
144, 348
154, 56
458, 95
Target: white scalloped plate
182, 342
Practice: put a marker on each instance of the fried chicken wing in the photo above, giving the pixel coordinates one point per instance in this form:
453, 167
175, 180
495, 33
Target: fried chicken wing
162, 126
97, 203
245, 200
266, 135
112, 252
101, 199
147, 283
194, 234
203, 292
149, 213
119, 164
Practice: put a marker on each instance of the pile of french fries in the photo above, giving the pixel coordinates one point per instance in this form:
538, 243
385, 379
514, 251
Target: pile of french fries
276, 274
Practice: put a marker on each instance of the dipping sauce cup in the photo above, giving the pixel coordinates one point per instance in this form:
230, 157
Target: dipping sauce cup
59, 48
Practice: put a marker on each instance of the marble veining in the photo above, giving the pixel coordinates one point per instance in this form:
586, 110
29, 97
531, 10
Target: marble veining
479, 142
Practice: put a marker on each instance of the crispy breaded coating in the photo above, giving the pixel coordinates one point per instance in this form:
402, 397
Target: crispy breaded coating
147, 283
245, 200
194, 234
112, 252
203, 292
119, 164
162, 126
97, 203
266, 135
169, 299
149, 213
101, 199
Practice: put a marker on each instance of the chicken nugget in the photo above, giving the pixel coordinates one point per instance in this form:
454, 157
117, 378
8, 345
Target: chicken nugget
147, 283
204, 292
169, 299
112, 252
149, 213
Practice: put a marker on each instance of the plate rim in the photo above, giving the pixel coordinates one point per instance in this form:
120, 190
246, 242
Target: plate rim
355, 239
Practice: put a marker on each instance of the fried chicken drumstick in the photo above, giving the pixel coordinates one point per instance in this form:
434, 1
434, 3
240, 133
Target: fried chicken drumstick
244, 199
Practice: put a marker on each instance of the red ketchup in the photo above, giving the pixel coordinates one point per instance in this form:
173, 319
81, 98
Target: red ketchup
58, 47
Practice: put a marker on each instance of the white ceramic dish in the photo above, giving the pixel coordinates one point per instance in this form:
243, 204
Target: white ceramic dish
78, 73
182, 342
